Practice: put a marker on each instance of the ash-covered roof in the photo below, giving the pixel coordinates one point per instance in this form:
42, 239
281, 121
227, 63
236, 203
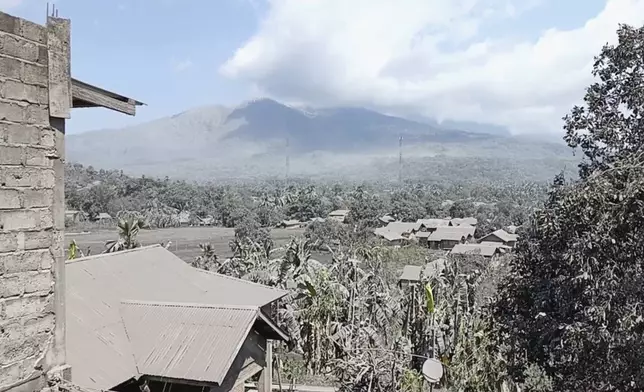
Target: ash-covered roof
451, 233
98, 348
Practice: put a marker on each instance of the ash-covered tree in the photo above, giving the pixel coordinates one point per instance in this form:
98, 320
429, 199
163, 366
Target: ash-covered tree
407, 206
609, 126
573, 305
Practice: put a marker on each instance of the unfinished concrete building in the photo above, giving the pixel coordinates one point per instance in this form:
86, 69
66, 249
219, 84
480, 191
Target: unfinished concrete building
37, 94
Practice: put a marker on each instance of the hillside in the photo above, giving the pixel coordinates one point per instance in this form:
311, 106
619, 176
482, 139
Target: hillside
252, 141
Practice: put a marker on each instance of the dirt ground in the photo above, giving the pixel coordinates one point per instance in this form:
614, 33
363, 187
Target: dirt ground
184, 240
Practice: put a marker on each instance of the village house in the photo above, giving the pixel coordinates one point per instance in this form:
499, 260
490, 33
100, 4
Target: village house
290, 224
501, 237
422, 237
487, 250
104, 218
74, 216
207, 220
393, 238
413, 274
144, 315
430, 225
464, 221
339, 215
398, 232
37, 94
386, 219
447, 237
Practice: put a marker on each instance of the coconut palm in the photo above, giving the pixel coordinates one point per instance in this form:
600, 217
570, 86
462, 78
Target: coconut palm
128, 230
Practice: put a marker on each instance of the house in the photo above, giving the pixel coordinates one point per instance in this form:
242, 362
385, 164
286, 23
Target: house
386, 219
74, 216
464, 221
207, 220
104, 218
185, 218
289, 224
339, 215
411, 274
422, 237
38, 95
392, 237
487, 250
447, 237
144, 315
405, 229
432, 224
502, 237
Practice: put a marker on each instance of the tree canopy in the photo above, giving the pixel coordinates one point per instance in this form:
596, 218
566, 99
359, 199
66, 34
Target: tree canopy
572, 304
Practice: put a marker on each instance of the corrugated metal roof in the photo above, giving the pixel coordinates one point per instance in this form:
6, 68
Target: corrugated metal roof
403, 227
482, 249
387, 234
451, 233
186, 341
502, 235
97, 347
412, 272
433, 223
465, 221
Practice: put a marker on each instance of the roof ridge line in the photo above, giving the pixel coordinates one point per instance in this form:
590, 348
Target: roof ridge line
239, 279
97, 256
190, 305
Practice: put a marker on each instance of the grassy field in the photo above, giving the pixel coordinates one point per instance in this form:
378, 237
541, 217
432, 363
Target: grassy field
184, 240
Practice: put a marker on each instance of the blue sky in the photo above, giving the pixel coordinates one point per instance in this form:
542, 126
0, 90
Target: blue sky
164, 53
521, 64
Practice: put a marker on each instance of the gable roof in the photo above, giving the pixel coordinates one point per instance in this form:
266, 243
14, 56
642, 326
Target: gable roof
338, 212
412, 273
163, 336
97, 344
464, 221
451, 233
403, 227
388, 234
482, 249
434, 223
502, 235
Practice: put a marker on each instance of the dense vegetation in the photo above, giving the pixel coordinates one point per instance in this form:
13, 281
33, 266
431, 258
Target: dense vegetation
269, 202
562, 313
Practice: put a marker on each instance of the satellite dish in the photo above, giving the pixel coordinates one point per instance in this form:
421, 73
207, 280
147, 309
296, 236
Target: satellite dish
433, 370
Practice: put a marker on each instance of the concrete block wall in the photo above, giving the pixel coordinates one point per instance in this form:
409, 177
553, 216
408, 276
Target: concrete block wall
31, 209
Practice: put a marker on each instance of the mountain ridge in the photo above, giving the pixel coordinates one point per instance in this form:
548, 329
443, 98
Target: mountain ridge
255, 137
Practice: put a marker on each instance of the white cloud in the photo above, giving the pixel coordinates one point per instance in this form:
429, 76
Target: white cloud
183, 65
426, 56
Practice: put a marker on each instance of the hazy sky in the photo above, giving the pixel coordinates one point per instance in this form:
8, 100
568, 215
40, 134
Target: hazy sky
519, 63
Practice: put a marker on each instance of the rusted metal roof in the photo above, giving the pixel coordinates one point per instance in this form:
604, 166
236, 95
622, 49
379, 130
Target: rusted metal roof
186, 341
97, 346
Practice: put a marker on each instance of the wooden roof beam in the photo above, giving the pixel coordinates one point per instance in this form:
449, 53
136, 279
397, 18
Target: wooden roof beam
87, 96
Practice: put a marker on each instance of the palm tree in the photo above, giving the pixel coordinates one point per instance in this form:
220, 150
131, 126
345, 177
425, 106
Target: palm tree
128, 230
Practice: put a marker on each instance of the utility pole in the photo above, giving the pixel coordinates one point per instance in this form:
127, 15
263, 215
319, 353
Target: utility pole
400, 159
